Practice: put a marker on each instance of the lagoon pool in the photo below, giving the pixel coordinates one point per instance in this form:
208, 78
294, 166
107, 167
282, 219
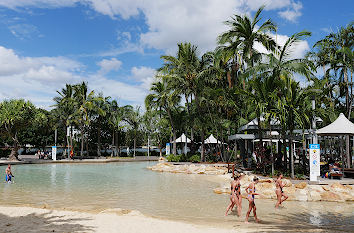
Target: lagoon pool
129, 185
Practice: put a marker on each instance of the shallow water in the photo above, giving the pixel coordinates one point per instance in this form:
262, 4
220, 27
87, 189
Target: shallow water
96, 187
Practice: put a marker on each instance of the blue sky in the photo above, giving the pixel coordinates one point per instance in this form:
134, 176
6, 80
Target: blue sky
115, 45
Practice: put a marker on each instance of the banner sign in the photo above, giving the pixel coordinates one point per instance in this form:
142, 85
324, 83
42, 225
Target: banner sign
54, 153
314, 161
168, 148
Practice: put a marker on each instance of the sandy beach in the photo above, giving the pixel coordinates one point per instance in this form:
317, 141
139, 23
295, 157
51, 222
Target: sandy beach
28, 219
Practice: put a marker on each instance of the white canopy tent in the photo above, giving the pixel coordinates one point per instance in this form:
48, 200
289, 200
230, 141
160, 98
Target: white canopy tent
254, 124
211, 140
341, 126
182, 139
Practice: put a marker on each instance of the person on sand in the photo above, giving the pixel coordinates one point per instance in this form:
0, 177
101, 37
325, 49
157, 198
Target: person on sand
232, 195
8, 173
279, 191
238, 195
251, 191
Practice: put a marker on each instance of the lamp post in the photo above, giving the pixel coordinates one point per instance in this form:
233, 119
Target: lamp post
314, 135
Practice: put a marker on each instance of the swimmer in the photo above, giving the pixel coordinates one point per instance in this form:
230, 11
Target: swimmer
8, 174
232, 195
279, 191
251, 191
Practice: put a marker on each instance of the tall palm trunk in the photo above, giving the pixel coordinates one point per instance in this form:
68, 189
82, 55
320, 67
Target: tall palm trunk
82, 143
291, 155
202, 155
271, 148
134, 145
99, 140
285, 152
114, 152
117, 141
174, 150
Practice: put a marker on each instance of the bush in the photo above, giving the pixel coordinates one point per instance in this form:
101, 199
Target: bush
211, 158
5, 152
173, 158
194, 159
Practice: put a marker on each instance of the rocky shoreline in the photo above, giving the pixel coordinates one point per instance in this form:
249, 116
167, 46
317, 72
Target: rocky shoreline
266, 187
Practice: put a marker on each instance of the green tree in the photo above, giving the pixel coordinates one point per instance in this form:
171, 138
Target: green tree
15, 115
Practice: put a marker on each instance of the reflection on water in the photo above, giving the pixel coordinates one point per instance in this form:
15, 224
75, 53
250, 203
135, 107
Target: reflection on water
95, 187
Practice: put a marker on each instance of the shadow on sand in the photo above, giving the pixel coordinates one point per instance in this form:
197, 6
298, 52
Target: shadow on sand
42, 223
307, 222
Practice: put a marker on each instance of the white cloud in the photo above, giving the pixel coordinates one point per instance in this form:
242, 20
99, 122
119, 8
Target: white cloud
38, 78
170, 21
24, 31
131, 94
37, 3
293, 12
143, 74
270, 4
298, 50
109, 65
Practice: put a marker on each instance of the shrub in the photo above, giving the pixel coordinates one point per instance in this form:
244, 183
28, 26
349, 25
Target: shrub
173, 158
194, 159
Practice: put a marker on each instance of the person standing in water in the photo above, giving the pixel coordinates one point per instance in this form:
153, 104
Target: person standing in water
251, 191
8, 173
232, 195
279, 191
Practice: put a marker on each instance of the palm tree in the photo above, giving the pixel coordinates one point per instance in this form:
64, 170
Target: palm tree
83, 104
100, 108
163, 98
293, 107
64, 110
133, 118
245, 32
116, 118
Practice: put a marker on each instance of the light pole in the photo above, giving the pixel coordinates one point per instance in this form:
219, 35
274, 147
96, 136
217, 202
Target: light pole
314, 135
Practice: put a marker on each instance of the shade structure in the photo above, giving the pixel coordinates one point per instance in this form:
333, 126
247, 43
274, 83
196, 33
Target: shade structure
341, 126
182, 138
211, 140
254, 124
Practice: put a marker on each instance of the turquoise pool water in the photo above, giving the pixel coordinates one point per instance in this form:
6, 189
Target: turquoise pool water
96, 187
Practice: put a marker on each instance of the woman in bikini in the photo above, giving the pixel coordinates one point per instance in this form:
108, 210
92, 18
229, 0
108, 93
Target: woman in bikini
233, 198
238, 195
279, 191
251, 191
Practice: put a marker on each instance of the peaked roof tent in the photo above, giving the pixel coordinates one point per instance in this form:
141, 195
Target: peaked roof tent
211, 140
182, 138
254, 124
341, 126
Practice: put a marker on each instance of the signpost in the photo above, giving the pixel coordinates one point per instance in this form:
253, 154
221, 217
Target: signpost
54, 153
168, 148
314, 161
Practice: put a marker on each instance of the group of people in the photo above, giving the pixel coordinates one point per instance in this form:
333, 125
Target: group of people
236, 198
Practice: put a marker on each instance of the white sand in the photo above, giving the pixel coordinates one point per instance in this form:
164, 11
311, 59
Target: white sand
27, 219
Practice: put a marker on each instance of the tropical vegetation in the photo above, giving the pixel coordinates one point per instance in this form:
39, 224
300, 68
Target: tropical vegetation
249, 75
